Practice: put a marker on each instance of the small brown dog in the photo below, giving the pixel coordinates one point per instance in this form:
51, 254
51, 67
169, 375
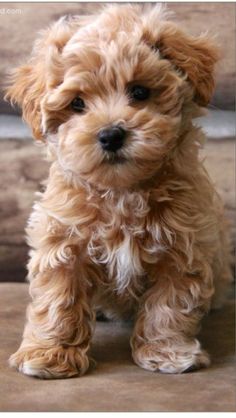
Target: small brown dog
129, 222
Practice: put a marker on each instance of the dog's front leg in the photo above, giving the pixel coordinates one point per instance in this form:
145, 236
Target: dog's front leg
58, 329
167, 323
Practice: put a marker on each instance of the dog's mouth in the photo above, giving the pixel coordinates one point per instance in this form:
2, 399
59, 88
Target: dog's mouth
113, 158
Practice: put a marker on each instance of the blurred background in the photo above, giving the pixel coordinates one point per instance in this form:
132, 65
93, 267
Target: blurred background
22, 167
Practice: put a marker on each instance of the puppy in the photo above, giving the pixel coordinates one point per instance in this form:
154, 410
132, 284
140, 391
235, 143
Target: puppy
129, 223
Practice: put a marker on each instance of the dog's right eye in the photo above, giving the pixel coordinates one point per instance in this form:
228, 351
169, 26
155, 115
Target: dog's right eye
78, 104
138, 92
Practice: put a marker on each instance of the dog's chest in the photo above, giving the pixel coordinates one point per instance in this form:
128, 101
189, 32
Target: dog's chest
125, 240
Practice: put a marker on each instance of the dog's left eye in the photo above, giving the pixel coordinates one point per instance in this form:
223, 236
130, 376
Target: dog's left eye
138, 92
78, 104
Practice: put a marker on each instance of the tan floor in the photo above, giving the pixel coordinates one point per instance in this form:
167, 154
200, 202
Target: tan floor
116, 384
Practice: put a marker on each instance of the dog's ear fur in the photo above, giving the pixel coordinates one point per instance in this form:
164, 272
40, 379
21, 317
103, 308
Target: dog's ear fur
26, 89
28, 84
195, 56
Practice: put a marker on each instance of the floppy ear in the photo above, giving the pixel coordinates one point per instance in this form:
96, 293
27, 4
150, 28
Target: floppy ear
194, 56
28, 84
27, 87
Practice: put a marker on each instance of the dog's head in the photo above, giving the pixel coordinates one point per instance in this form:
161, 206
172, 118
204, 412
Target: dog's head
113, 92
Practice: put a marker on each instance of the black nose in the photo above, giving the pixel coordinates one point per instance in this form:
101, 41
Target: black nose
112, 139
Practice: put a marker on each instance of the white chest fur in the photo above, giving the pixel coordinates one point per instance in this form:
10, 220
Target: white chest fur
125, 240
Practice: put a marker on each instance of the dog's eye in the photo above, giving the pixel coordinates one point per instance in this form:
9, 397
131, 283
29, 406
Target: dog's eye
139, 92
78, 104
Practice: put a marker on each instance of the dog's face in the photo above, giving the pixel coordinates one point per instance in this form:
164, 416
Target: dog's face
113, 92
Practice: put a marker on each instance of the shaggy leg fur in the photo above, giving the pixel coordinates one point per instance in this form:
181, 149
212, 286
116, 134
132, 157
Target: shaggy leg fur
163, 337
57, 334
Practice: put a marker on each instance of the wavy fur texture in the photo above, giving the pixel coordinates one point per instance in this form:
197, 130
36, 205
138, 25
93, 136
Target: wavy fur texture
140, 235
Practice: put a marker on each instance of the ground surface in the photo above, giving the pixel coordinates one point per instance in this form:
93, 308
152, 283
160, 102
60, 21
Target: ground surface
116, 383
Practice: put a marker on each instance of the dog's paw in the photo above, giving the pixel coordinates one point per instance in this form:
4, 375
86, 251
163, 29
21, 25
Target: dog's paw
51, 363
171, 359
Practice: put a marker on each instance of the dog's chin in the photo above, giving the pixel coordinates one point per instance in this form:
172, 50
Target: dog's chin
114, 159
110, 170
117, 173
